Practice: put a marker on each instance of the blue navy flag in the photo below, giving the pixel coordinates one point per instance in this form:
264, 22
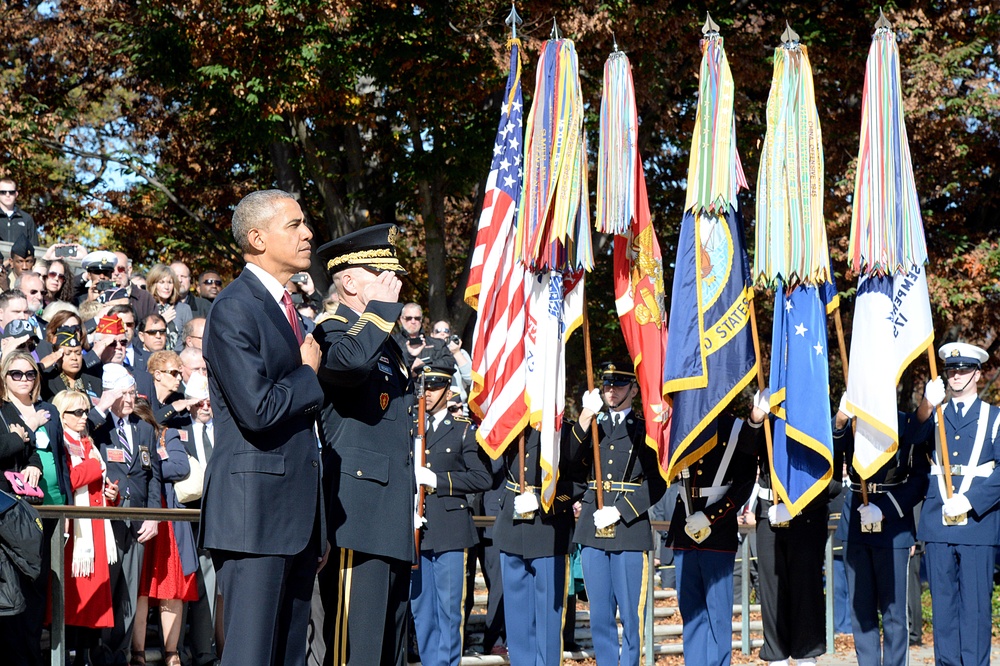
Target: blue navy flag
802, 449
710, 357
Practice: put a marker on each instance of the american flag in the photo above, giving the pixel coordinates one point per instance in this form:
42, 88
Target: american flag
497, 286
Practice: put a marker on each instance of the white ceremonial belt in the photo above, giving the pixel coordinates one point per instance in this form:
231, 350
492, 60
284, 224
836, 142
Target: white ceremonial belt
765, 494
711, 493
983, 470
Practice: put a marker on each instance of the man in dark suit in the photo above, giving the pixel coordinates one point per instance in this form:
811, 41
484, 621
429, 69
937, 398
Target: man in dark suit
454, 466
959, 525
262, 509
127, 444
366, 429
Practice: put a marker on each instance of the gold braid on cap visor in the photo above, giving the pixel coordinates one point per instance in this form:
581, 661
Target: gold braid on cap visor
384, 259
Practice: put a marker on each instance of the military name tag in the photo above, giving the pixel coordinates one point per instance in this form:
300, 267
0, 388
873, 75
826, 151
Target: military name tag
115, 455
385, 365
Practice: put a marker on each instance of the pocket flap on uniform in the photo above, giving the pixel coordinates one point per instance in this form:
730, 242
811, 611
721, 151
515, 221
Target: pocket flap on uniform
258, 461
362, 464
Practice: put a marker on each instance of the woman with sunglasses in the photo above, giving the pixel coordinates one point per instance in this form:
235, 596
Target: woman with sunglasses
90, 545
68, 369
31, 443
58, 281
166, 399
163, 284
170, 559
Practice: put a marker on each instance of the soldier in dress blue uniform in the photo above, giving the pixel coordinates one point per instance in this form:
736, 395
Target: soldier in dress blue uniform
879, 534
366, 427
534, 550
615, 564
960, 532
704, 533
455, 465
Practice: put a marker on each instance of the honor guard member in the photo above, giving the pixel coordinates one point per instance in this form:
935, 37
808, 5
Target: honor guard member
960, 532
617, 538
366, 428
881, 533
454, 465
704, 533
791, 554
534, 550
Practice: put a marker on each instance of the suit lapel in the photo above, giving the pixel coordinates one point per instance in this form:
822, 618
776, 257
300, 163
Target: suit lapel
270, 307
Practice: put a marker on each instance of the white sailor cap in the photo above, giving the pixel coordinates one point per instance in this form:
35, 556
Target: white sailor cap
962, 355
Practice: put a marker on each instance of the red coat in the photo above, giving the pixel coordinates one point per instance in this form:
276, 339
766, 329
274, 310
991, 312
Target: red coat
88, 599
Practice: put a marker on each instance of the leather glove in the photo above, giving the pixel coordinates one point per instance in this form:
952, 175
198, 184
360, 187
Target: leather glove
609, 515
956, 505
870, 514
525, 503
593, 401
418, 521
934, 392
762, 401
843, 407
696, 522
425, 477
778, 513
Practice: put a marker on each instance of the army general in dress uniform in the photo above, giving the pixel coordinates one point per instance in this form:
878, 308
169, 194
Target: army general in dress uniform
881, 533
704, 533
365, 426
960, 531
454, 465
615, 564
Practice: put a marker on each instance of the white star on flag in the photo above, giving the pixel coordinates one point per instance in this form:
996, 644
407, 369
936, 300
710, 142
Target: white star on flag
504, 164
517, 106
497, 149
819, 348
801, 330
514, 144
508, 181
788, 306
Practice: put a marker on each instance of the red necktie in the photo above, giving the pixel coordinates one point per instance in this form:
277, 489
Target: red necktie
293, 316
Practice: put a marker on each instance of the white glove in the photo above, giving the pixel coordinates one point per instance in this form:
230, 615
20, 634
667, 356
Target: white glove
934, 392
870, 514
609, 515
762, 401
778, 513
593, 401
425, 477
418, 521
843, 406
525, 503
696, 522
956, 505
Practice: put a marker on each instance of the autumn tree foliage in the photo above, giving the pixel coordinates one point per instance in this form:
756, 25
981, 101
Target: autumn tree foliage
377, 110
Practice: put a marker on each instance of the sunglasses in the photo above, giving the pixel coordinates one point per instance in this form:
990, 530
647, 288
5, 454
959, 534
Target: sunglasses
21, 375
444, 331
56, 276
406, 318
155, 331
173, 373
120, 269
217, 283
454, 409
8, 192
120, 343
75, 412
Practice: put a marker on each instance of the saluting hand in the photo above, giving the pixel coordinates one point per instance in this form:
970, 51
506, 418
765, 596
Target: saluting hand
384, 288
311, 353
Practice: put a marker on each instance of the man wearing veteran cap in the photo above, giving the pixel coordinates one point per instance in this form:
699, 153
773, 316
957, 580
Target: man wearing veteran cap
617, 537
126, 443
960, 531
366, 427
455, 465
262, 507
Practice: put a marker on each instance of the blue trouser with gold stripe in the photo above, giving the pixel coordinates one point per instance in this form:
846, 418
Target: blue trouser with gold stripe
437, 597
705, 599
615, 583
534, 592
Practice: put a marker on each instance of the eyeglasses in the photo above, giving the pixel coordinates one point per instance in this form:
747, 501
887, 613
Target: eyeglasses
119, 342
175, 373
120, 269
444, 331
8, 193
75, 412
32, 292
217, 283
56, 276
155, 331
408, 318
21, 375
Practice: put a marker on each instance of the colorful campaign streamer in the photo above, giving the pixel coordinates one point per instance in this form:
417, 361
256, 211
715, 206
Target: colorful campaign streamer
617, 157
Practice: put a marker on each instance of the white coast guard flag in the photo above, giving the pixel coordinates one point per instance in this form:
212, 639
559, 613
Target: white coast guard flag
555, 310
892, 326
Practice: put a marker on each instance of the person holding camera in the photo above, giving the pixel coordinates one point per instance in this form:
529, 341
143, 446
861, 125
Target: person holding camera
462, 378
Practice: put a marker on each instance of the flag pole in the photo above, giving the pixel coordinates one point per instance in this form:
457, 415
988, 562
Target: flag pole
760, 387
945, 460
598, 488
843, 361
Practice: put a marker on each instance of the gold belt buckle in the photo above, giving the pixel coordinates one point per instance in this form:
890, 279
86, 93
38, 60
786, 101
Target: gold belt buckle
607, 486
605, 532
525, 516
871, 528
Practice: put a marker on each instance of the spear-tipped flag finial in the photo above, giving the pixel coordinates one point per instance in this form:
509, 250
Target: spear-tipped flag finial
710, 25
882, 21
615, 40
789, 38
555, 30
512, 20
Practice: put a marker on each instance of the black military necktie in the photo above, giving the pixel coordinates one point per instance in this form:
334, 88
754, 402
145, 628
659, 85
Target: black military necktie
959, 408
206, 442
